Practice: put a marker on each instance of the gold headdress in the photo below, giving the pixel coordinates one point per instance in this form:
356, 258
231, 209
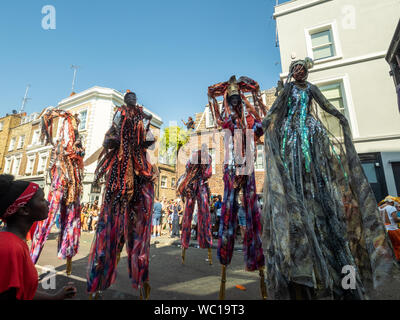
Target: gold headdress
233, 87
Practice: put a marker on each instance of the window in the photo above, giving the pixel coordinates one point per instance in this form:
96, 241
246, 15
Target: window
35, 138
212, 154
42, 163
12, 144
21, 142
334, 93
173, 182
259, 161
7, 166
164, 181
29, 166
1, 125
209, 119
322, 44
17, 163
83, 120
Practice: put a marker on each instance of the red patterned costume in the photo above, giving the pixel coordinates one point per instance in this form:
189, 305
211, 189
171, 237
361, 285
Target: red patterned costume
125, 216
66, 168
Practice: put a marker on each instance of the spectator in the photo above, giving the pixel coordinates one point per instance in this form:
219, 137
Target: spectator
190, 124
21, 204
95, 216
242, 220
175, 220
179, 207
164, 218
157, 214
84, 217
170, 209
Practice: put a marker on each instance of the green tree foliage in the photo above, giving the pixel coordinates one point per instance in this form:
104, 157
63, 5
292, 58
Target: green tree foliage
173, 139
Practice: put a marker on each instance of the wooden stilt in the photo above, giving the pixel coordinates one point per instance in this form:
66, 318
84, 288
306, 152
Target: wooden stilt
94, 296
223, 282
210, 256
145, 291
262, 284
183, 255
69, 266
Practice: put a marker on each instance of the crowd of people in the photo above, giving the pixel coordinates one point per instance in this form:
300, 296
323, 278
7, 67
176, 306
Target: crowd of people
168, 216
89, 216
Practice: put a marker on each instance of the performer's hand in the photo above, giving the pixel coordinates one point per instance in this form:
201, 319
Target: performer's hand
67, 292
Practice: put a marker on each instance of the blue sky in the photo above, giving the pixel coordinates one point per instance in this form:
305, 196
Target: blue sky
168, 52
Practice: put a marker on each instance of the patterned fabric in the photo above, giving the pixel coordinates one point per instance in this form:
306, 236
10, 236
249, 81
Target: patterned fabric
66, 170
237, 178
320, 213
194, 187
125, 215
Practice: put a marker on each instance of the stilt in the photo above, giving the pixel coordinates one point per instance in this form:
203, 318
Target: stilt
145, 291
210, 256
223, 282
69, 266
118, 257
183, 255
262, 284
95, 296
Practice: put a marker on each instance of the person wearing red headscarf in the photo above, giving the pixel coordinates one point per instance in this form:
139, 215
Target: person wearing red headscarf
21, 204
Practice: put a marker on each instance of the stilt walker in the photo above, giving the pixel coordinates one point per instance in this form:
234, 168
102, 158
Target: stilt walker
125, 216
66, 169
193, 187
238, 115
320, 215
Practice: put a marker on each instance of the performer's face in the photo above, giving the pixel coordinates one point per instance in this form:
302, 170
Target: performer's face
235, 100
300, 73
130, 99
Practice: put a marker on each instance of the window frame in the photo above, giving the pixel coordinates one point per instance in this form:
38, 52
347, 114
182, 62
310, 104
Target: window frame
2, 125
7, 165
21, 145
16, 166
347, 100
263, 158
86, 119
13, 142
41, 162
332, 26
165, 186
28, 161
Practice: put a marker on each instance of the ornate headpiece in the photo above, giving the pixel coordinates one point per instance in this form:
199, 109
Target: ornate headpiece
233, 87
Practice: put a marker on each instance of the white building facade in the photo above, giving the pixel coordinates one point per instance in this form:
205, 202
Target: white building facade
348, 41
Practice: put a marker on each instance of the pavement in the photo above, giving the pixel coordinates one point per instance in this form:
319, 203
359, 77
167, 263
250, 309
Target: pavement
169, 278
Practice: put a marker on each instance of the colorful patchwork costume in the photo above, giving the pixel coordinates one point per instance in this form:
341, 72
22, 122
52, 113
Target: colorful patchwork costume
193, 187
125, 216
245, 120
66, 169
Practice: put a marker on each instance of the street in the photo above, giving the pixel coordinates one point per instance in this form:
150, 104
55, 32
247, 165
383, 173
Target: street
169, 279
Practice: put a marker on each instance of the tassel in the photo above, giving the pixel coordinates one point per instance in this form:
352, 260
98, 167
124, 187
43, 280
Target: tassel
69, 266
183, 255
262, 284
223, 281
210, 256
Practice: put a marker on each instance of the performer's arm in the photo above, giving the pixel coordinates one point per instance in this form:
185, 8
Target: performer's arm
112, 139
250, 108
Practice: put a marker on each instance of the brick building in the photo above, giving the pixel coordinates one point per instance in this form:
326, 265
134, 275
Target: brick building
166, 185
6, 124
206, 132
